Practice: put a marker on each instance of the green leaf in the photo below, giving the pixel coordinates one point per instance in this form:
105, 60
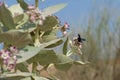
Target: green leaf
34, 78
63, 67
79, 63
48, 38
64, 59
50, 35
15, 9
74, 49
16, 37
24, 22
69, 53
19, 74
28, 27
12, 78
32, 51
49, 23
40, 78
27, 78
44, 57
6, 17
23, 4
53, 9
53, 31
22, 67
65, 46
18, 18
55, 44
64, 62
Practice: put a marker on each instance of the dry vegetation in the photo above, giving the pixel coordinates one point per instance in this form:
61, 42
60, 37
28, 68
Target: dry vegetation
102, 50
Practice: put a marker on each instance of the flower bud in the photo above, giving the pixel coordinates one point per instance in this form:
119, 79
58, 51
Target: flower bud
31, 7
66, 25
40, 22
13, 49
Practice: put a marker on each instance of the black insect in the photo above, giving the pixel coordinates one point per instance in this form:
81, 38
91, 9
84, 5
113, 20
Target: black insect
80, 39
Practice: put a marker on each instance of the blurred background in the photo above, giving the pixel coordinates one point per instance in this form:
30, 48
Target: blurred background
99, 22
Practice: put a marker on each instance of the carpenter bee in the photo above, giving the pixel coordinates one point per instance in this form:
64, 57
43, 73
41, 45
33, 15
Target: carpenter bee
80, 39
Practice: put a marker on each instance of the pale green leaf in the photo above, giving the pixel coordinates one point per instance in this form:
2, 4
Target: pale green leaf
28, 27
49, 23
53, 31
64, 62
18, 18
65, 46
44, 57
40, 78
55, 44
27, 78
16, 38
24, 22
6, 17
75, 49
53, 9
15, 9
32, 51
79, 63
48, 38
63, 67
19, 74
22, 67
64, 59
23, 4
69, 53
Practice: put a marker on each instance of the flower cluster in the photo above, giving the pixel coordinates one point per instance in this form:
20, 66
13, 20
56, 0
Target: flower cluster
64, 28
78, 42
35, 14
9, 57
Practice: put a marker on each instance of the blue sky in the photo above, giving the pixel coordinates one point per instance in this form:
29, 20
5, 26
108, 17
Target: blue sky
72, 11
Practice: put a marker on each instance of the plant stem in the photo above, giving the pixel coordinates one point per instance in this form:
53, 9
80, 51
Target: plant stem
36, 3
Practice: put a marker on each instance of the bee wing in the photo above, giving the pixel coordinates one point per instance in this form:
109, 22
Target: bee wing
83, 39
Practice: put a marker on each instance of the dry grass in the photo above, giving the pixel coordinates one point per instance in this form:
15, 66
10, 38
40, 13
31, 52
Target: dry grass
102, 50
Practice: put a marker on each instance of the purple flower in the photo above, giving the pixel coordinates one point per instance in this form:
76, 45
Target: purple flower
11, 63
32, 18
11, 67
66, 25
5, 54
64, 29
9, 58
5, 61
